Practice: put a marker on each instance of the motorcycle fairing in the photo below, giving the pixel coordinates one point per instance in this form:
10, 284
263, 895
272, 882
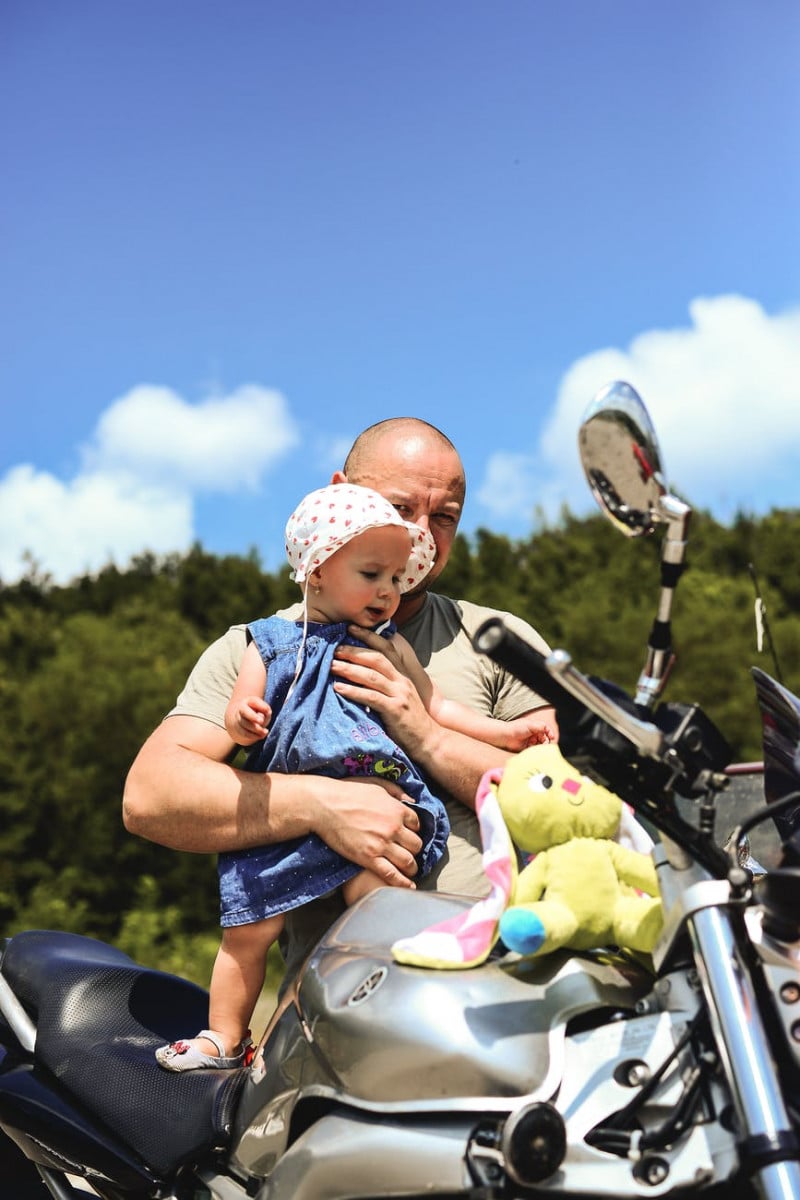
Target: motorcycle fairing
472, 1041
99, 1017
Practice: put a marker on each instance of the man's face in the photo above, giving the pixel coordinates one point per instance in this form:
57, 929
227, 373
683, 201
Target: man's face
424, 482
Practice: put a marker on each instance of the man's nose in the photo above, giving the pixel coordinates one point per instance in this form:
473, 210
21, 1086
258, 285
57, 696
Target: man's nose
423, 520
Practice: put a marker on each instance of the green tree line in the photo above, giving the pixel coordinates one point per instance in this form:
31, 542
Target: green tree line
90, 668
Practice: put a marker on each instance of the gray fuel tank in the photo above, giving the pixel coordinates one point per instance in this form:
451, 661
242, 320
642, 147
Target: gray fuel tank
370, 1033
390, 1033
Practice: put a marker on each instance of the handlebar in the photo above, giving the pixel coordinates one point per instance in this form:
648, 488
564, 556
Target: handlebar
644, 757
573, 695
643, 734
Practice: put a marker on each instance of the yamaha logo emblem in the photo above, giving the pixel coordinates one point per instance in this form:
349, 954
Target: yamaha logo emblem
369, 985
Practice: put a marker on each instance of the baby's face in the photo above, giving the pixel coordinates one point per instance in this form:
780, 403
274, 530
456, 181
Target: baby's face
360, 583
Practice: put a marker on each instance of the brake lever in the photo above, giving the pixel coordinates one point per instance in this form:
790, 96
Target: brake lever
554, 676
646, 737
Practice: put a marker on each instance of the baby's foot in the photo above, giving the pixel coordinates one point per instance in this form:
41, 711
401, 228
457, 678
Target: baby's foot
193, 1055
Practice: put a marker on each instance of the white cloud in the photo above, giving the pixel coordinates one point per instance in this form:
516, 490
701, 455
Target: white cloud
150, 454
723, 394
509, 484
69, 528
224, 444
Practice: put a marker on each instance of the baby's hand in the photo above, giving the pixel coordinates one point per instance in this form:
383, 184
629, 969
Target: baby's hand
249, 720
527, 731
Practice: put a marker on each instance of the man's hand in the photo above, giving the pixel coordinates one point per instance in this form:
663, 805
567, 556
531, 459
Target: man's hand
370, 677
374, 641
454, 760
369, 825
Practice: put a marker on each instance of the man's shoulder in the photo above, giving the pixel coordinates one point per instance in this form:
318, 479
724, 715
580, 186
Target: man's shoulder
211, 681
292, 613
223, 654
439, 605
446, 610
469, 613
471, 616
230, 642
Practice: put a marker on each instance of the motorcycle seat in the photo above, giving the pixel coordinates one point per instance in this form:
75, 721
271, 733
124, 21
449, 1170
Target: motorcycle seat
99, 1017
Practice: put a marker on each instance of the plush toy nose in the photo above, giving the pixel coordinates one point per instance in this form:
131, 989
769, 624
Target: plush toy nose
572, 786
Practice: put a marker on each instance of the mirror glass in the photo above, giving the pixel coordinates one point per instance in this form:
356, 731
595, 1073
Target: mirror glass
621, 460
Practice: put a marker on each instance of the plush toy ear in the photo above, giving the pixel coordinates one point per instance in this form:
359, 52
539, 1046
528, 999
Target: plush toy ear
631, 833
466, 940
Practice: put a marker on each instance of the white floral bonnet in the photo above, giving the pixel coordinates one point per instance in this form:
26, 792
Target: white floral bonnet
325, 520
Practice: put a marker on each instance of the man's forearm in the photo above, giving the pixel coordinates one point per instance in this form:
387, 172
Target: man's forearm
454, 761
181, 793
180, 798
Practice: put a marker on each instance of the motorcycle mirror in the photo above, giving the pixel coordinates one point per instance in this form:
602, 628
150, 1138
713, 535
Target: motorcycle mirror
621, 459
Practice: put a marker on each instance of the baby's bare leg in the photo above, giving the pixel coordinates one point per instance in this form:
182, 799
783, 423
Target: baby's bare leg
359, 885
237, 980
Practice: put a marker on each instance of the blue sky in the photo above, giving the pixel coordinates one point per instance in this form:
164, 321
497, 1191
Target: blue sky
234, 234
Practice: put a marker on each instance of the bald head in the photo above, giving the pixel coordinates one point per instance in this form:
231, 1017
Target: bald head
410, 435
418, 469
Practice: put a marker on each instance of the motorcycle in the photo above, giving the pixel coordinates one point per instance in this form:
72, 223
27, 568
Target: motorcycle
600, 1074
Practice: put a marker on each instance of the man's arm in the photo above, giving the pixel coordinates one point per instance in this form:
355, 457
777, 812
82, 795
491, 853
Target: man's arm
182, 793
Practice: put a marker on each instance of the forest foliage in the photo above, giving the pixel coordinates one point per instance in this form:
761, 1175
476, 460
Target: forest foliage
87, 671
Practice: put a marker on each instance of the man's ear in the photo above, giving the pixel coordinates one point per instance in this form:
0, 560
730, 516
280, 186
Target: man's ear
338, 477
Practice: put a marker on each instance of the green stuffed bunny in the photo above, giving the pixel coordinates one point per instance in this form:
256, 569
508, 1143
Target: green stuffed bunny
580, 890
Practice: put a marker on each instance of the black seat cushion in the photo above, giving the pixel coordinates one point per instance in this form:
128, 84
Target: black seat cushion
99, 1018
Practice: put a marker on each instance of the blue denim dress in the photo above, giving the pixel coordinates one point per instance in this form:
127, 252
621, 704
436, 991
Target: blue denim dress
316, 731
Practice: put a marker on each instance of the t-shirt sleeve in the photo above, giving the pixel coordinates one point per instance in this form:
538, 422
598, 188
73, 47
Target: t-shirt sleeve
210, 684
514, 699
506, 697
442, 638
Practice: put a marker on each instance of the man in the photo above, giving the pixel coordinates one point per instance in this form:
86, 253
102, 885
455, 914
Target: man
182, 790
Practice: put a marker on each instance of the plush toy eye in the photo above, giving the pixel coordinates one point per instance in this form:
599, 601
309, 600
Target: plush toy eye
540, 783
